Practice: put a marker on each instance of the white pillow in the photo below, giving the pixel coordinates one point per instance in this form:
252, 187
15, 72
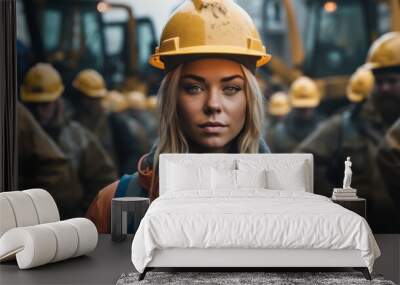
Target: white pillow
281, 174
182, 177
224, 179
251, 178
278, 180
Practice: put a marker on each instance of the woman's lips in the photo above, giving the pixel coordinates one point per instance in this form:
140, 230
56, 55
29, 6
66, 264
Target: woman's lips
212, 127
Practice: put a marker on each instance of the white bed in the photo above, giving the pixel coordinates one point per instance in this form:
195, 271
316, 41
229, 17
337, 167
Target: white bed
253, 210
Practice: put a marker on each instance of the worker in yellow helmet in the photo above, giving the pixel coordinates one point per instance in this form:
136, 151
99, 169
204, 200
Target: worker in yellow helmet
140, 109
41, 92
358, 133
304, 97
115, 102
123, 139
384, 60
151, 103
89, 89
361, 85
129, 135
279, 105
209, 99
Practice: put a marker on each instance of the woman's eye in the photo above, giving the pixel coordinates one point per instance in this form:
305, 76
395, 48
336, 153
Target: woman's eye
231, 90
192, 89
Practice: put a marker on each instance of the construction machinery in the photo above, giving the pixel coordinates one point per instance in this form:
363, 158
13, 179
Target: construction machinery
73, 35
326, 40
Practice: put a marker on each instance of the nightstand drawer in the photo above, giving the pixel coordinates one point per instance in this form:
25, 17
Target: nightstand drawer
358, 206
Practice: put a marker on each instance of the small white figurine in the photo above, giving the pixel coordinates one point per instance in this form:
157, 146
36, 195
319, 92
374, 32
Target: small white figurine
347, 174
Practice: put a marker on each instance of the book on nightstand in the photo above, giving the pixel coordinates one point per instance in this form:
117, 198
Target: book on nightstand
344, 194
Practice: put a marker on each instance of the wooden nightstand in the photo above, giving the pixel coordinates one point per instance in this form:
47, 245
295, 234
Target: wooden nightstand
357, 205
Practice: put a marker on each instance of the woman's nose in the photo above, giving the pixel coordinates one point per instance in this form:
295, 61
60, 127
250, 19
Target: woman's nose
213, 102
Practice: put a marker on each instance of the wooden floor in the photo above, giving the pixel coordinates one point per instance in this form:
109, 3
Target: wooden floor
389, 262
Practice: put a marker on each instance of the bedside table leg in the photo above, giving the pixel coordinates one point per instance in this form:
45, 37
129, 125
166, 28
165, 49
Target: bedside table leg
364, 271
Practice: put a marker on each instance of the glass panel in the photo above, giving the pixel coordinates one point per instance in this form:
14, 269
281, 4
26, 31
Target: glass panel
117, 58
51, 27
337, 39
146, 35
91, 28
22, 26
114, 36
275, 29
383, 18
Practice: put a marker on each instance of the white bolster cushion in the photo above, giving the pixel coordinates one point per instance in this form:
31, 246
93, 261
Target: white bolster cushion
87, 235
7, 218
40, 244
23, 208
45, 205
26, 208
66, 238
33, 246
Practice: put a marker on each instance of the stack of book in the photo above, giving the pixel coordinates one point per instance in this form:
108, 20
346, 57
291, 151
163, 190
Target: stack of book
344, 194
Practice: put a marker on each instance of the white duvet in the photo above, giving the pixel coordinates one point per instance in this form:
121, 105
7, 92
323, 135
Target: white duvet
253, 218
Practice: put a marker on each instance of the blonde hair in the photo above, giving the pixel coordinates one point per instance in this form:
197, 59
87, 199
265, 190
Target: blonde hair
171, 136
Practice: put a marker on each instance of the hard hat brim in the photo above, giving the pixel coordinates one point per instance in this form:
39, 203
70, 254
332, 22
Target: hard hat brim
40, 97
354, 97
279, 111
101, 93
305, 103
156, 59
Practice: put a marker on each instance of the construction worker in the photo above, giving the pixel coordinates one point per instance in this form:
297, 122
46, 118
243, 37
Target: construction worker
89, 89
130, 137
388, 160
209, 99
90, 167
361, 85
151, 103
302, 119
140, 109
358, 133
277, 108
41, 163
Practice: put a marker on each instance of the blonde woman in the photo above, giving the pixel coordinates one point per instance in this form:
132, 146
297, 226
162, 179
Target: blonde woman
209, 99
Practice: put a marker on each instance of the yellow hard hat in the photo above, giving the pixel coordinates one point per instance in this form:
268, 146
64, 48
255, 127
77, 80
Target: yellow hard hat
201, 27
91, 83
304, 93
385, 51
42, 83
151, 103
115, 102
279, 104
136, 100
360, 85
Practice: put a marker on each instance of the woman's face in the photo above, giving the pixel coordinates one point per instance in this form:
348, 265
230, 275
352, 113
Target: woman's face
211, 103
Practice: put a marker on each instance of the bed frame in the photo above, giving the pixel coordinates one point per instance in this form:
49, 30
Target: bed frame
246, 259
241, 259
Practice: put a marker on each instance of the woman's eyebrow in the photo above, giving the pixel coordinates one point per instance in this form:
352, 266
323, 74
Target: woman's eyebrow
229, 78
203, 80
194, 77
